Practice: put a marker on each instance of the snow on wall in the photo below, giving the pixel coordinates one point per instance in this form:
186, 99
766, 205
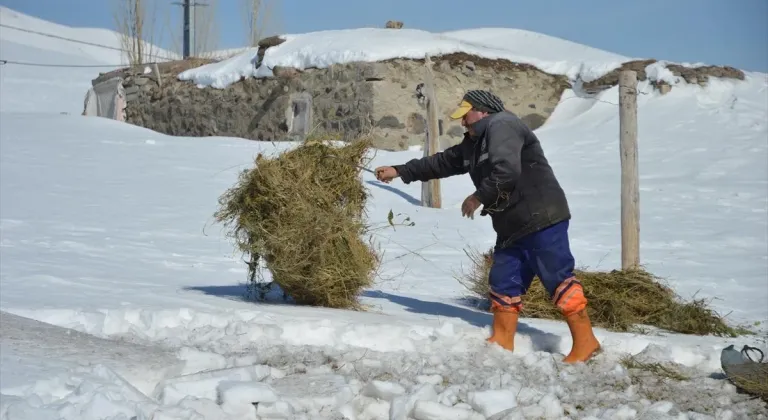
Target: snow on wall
325, 48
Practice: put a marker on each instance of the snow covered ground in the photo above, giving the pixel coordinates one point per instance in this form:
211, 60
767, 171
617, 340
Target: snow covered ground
106, 237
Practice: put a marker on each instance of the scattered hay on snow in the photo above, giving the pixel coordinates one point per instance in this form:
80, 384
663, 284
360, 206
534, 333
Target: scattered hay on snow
658, 369
302, 214
618, 300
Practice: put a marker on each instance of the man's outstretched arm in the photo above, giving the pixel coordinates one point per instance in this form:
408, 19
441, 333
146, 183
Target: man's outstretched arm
440, 165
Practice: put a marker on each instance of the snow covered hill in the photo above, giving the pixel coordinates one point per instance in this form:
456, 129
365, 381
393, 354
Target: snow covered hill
106, 229
50, 48
93, 44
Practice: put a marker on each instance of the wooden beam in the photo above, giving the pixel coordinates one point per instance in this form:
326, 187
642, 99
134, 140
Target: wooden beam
430, 190
630, 184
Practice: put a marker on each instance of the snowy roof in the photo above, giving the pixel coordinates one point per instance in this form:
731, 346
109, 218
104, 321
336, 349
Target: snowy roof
325, 48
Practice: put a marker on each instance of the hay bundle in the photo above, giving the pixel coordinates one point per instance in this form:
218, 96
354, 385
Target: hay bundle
302, 213
618, 300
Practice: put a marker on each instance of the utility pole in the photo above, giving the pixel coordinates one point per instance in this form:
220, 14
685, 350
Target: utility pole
187, 11
189, 26
192, 28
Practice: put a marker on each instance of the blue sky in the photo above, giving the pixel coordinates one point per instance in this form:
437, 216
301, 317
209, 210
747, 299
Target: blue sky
721, 32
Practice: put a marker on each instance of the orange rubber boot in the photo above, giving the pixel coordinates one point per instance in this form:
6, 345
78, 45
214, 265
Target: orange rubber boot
504, 329
585, 344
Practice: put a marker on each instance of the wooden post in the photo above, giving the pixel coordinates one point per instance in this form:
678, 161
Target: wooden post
430, 190
156, 70
630, 184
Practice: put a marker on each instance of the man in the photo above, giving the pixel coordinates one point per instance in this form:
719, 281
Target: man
528, 209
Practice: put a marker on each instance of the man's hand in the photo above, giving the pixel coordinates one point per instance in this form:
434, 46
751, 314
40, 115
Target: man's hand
469, 206
386, 174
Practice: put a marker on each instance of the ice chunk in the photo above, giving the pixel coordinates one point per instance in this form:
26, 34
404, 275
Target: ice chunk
206, 408
429, 379
198, 361
662, 407
431, 410
311, 393
238, 397
552, 407
492, 401
449, 396
275, 410
204, 384
365, 408
402, 405
383, 390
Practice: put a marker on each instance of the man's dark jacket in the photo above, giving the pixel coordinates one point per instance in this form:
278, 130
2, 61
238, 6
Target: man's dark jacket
513, 179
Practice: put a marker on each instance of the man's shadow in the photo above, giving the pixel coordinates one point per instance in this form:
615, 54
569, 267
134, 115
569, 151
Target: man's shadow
411, 199
541, 340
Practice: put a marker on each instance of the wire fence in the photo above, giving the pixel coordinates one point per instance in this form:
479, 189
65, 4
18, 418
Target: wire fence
25, 63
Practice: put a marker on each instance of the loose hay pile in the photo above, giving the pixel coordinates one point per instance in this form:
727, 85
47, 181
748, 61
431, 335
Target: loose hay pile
618, 300
302, 213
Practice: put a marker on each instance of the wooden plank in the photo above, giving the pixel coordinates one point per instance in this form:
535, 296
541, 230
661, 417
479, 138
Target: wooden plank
630, 184
430, 190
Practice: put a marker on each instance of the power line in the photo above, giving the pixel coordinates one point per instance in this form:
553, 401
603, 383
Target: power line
61, 37
26, 63
93, 44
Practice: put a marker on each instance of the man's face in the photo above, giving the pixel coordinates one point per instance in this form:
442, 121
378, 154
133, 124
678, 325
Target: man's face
472, 117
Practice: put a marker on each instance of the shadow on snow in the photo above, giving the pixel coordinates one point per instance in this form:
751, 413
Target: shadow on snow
409, 198
541, 340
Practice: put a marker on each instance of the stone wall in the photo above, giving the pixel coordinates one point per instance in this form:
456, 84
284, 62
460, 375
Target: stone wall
353, 99
697, 75
259, 109
399, 113
350, 100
